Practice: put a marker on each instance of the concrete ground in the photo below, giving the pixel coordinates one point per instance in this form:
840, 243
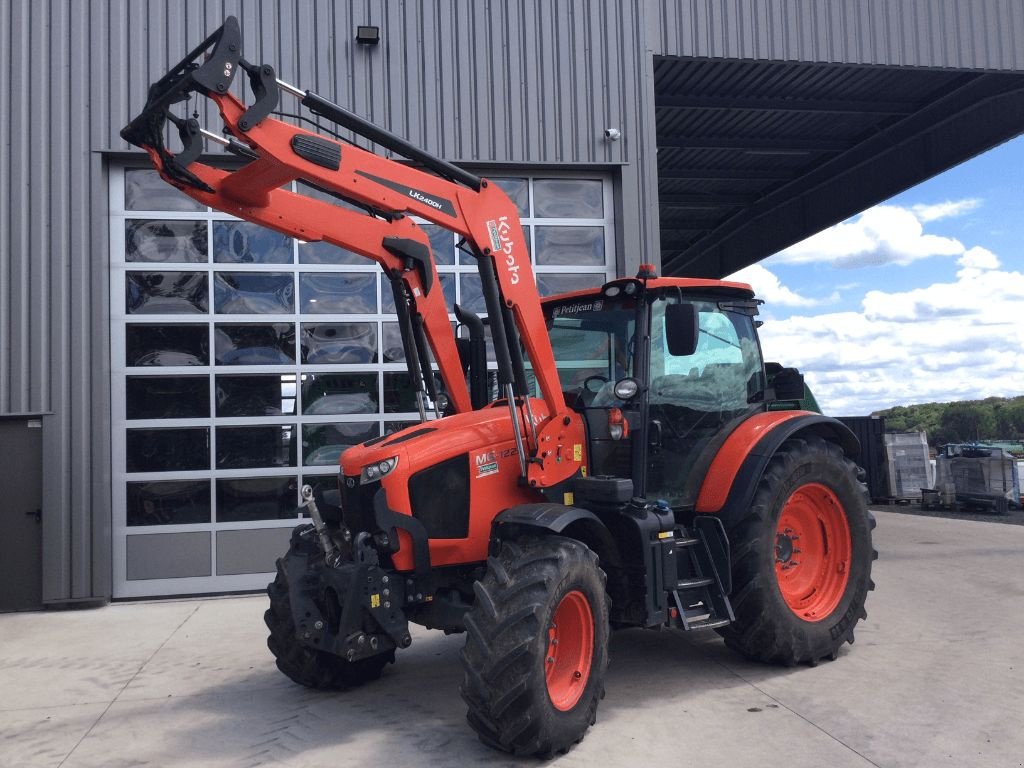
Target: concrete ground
936, 678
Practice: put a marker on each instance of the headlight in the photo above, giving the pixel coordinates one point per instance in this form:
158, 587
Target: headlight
371, 473
626, 389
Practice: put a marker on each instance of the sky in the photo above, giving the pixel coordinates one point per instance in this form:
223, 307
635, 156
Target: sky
918, 299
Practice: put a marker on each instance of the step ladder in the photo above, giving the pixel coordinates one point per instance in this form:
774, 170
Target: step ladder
699, 596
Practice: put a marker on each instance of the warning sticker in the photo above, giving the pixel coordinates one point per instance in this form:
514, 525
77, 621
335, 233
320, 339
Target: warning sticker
577, 452
375, 601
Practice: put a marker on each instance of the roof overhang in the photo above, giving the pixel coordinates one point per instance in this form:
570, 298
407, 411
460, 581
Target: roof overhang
754, 156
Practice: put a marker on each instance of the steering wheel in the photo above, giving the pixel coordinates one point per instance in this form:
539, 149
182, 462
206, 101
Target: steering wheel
599, 379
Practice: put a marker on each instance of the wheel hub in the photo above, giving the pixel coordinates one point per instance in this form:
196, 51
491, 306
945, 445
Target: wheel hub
813, 550
570, 650
784, 547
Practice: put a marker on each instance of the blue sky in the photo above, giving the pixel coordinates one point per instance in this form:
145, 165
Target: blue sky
918, 299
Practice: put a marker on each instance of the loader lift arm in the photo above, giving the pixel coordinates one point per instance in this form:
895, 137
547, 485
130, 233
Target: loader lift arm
277, 153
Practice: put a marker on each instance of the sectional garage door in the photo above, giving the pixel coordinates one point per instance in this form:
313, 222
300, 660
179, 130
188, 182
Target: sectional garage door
244, 362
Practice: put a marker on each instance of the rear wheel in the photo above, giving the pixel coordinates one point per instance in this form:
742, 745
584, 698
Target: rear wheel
801, 558
304, 665
536, 647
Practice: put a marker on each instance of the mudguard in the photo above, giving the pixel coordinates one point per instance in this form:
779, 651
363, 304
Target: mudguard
732, 477
573, 522
554, 518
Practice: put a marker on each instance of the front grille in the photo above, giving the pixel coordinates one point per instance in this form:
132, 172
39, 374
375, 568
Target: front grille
440, 498
357, 504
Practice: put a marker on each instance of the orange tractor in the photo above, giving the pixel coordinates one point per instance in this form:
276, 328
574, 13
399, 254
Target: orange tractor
627, 461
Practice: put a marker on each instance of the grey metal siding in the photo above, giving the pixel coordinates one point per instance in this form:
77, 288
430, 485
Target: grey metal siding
961, 34
53, 235
522, 81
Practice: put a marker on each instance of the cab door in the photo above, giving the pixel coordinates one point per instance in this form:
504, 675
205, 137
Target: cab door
695, 400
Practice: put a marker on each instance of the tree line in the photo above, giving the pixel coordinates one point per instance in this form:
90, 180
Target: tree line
967, 421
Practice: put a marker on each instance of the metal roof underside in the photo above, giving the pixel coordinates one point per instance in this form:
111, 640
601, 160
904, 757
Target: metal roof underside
754, 156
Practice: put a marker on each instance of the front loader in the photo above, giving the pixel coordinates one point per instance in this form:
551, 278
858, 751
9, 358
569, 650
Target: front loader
631, 461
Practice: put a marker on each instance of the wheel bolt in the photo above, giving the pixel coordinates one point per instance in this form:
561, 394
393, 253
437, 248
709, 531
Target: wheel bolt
551, 659
577, 675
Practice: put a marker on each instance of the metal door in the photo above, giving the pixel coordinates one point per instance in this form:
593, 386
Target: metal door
21, 501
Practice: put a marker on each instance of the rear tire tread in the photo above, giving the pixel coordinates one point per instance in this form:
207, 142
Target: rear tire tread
765, 629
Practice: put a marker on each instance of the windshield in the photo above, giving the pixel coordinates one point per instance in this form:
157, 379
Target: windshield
592, 341
723, 374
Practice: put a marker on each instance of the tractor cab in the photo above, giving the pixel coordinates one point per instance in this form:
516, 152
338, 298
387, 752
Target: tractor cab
662, 369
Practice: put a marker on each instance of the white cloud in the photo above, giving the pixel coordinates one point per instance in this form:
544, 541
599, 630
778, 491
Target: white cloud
944, 210
977, 260
885, 234
767, 286
947, 341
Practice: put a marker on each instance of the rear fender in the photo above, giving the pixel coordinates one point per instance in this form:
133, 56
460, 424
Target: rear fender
732, 478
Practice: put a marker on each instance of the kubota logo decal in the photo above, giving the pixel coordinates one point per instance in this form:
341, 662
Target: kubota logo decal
501, 242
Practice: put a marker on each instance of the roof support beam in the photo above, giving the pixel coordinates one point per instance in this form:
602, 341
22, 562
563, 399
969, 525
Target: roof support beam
781, 145
686, 225
697, 202
781, 104
722, 174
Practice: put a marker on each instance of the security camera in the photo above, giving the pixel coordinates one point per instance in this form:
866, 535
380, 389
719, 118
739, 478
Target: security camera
612, 134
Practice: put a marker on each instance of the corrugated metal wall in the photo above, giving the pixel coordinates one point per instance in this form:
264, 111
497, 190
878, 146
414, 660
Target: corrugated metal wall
524, 81
962, 34
516, 81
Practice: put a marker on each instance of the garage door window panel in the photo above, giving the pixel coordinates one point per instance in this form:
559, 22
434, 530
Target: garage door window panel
255, 344
167, 397
160, 242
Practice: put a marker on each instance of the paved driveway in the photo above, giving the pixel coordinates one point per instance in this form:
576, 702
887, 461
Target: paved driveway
936, 678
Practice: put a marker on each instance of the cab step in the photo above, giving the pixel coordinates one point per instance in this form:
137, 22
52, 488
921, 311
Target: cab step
700, 594
709, 624
696, 581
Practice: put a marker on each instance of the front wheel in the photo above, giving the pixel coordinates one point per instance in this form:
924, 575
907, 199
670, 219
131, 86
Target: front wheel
536, 647
801, 558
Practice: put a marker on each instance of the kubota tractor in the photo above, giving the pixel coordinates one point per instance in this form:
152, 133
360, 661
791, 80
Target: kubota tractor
630, 461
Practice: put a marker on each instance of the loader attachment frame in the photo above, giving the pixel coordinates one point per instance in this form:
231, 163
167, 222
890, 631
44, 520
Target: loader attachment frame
386, 192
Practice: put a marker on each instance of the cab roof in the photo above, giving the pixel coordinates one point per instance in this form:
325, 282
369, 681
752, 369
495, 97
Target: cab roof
694, 284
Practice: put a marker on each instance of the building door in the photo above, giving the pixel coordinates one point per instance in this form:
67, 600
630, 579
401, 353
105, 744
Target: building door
21, 550
243, 363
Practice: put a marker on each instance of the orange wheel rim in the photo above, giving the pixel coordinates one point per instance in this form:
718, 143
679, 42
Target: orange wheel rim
570, 651
812, 552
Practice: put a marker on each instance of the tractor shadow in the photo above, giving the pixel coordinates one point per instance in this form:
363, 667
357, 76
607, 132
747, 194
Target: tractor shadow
414, 713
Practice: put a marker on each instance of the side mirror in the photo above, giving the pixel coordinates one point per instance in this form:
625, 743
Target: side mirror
681, 330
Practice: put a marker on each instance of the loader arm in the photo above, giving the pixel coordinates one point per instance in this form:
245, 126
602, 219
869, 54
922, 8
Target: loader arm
277, 153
